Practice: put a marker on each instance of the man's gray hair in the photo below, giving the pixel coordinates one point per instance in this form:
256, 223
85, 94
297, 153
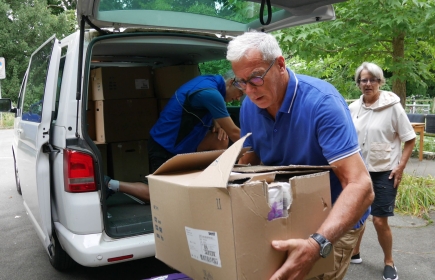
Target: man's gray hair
373, 69
263, 42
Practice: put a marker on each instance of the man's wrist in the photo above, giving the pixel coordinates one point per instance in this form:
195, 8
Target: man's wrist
324, 244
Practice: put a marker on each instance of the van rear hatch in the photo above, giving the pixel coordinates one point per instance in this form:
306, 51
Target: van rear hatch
217, 17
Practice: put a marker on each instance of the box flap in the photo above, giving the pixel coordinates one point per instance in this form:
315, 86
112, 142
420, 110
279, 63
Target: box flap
264, 168
191, 161
220, 168
250, 177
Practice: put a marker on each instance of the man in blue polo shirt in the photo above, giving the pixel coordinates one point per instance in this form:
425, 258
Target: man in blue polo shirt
297, 119
195, 119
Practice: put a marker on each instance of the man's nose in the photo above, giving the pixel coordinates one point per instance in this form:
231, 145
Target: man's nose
250, 89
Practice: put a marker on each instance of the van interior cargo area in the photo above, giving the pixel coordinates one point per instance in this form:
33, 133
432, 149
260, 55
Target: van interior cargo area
128, 216
137, 75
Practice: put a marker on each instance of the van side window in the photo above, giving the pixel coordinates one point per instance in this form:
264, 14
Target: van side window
21, 94
59, 80
34, 94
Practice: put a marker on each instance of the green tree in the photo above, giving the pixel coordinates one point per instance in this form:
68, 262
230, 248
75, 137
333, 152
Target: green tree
398, 35
25, 26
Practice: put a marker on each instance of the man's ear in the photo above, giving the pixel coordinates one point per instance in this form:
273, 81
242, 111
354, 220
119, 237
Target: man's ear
281, 62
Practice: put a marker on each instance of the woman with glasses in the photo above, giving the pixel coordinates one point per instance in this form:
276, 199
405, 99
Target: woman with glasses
382, 126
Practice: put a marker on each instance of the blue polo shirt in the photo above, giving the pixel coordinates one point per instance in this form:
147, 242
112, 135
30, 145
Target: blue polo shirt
312, 127
189, 114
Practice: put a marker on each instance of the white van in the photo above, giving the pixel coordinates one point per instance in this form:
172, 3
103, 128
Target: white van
88, 101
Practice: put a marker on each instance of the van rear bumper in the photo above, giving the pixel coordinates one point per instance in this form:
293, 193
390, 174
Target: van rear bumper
94, 250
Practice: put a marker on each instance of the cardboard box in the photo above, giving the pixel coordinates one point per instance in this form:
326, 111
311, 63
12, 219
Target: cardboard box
205, 226
121, 83
129, 161
168, 79
125, 119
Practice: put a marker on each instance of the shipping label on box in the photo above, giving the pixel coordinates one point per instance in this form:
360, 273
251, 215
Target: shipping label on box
121, 83
206, 226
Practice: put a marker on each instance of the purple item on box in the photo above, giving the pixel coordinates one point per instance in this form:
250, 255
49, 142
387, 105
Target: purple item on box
274, 212
173, 276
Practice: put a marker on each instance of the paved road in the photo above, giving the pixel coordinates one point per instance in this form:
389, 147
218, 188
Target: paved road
23, 257
21, 253
413, 241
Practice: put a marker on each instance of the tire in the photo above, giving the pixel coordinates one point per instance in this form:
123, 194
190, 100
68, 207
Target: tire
17, 178
59, 259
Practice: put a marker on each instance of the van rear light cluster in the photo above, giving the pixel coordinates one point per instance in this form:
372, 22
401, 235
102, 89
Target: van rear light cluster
78, 172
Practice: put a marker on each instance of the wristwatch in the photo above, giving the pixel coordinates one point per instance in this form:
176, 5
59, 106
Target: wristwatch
325, 245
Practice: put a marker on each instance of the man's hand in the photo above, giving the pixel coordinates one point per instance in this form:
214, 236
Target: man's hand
222, 135
302, 254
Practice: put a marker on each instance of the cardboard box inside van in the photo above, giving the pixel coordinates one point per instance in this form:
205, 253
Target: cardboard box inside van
168, 79
125, 119
211, 222
121, 83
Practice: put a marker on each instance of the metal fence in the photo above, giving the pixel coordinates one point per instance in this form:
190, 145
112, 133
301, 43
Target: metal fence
417, 108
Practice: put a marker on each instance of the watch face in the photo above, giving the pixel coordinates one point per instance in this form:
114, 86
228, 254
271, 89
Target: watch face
326, 249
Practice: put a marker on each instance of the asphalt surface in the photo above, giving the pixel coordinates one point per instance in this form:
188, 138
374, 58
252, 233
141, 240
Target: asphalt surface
413, 241
23, 257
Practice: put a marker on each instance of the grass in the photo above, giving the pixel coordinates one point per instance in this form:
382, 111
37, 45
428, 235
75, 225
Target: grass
416, 196
7, 120
428, 143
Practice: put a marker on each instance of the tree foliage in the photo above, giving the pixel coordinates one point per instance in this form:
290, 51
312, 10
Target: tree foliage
25, 26
398, 35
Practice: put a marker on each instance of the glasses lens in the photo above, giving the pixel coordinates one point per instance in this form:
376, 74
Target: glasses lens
239, 84
256, 81
372, 81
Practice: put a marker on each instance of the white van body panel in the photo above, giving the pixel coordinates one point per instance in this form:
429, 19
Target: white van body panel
95, 249
80, 213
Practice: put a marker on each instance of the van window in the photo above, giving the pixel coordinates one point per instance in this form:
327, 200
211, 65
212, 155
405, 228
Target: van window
59, 80
35, 87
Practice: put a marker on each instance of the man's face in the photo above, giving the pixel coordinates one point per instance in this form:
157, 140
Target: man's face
232, 92
253, 65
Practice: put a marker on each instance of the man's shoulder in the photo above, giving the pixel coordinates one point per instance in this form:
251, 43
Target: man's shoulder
315, 84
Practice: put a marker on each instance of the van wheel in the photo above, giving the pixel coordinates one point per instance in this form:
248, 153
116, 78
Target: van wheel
17, 178
59, 259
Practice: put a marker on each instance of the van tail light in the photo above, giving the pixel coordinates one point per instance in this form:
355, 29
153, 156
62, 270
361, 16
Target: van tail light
78, 172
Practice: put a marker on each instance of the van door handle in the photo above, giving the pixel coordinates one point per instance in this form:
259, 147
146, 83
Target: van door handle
19, 130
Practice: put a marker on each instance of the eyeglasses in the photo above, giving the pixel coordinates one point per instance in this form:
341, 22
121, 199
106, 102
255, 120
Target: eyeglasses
255, 81
365, 81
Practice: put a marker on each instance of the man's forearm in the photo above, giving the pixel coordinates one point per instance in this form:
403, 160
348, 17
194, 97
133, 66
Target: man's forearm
350, 206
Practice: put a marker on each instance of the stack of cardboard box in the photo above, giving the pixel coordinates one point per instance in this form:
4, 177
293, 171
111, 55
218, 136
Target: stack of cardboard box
124, 109
168, 79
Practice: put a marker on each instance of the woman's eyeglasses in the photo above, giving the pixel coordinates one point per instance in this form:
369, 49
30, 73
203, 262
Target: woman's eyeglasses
255, 81
366, 81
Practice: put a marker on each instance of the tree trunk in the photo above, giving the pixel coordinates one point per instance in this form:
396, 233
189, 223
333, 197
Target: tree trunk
399, 86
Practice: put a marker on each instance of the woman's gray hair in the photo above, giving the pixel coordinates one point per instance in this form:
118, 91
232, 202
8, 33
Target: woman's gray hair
373, 69
263, 42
